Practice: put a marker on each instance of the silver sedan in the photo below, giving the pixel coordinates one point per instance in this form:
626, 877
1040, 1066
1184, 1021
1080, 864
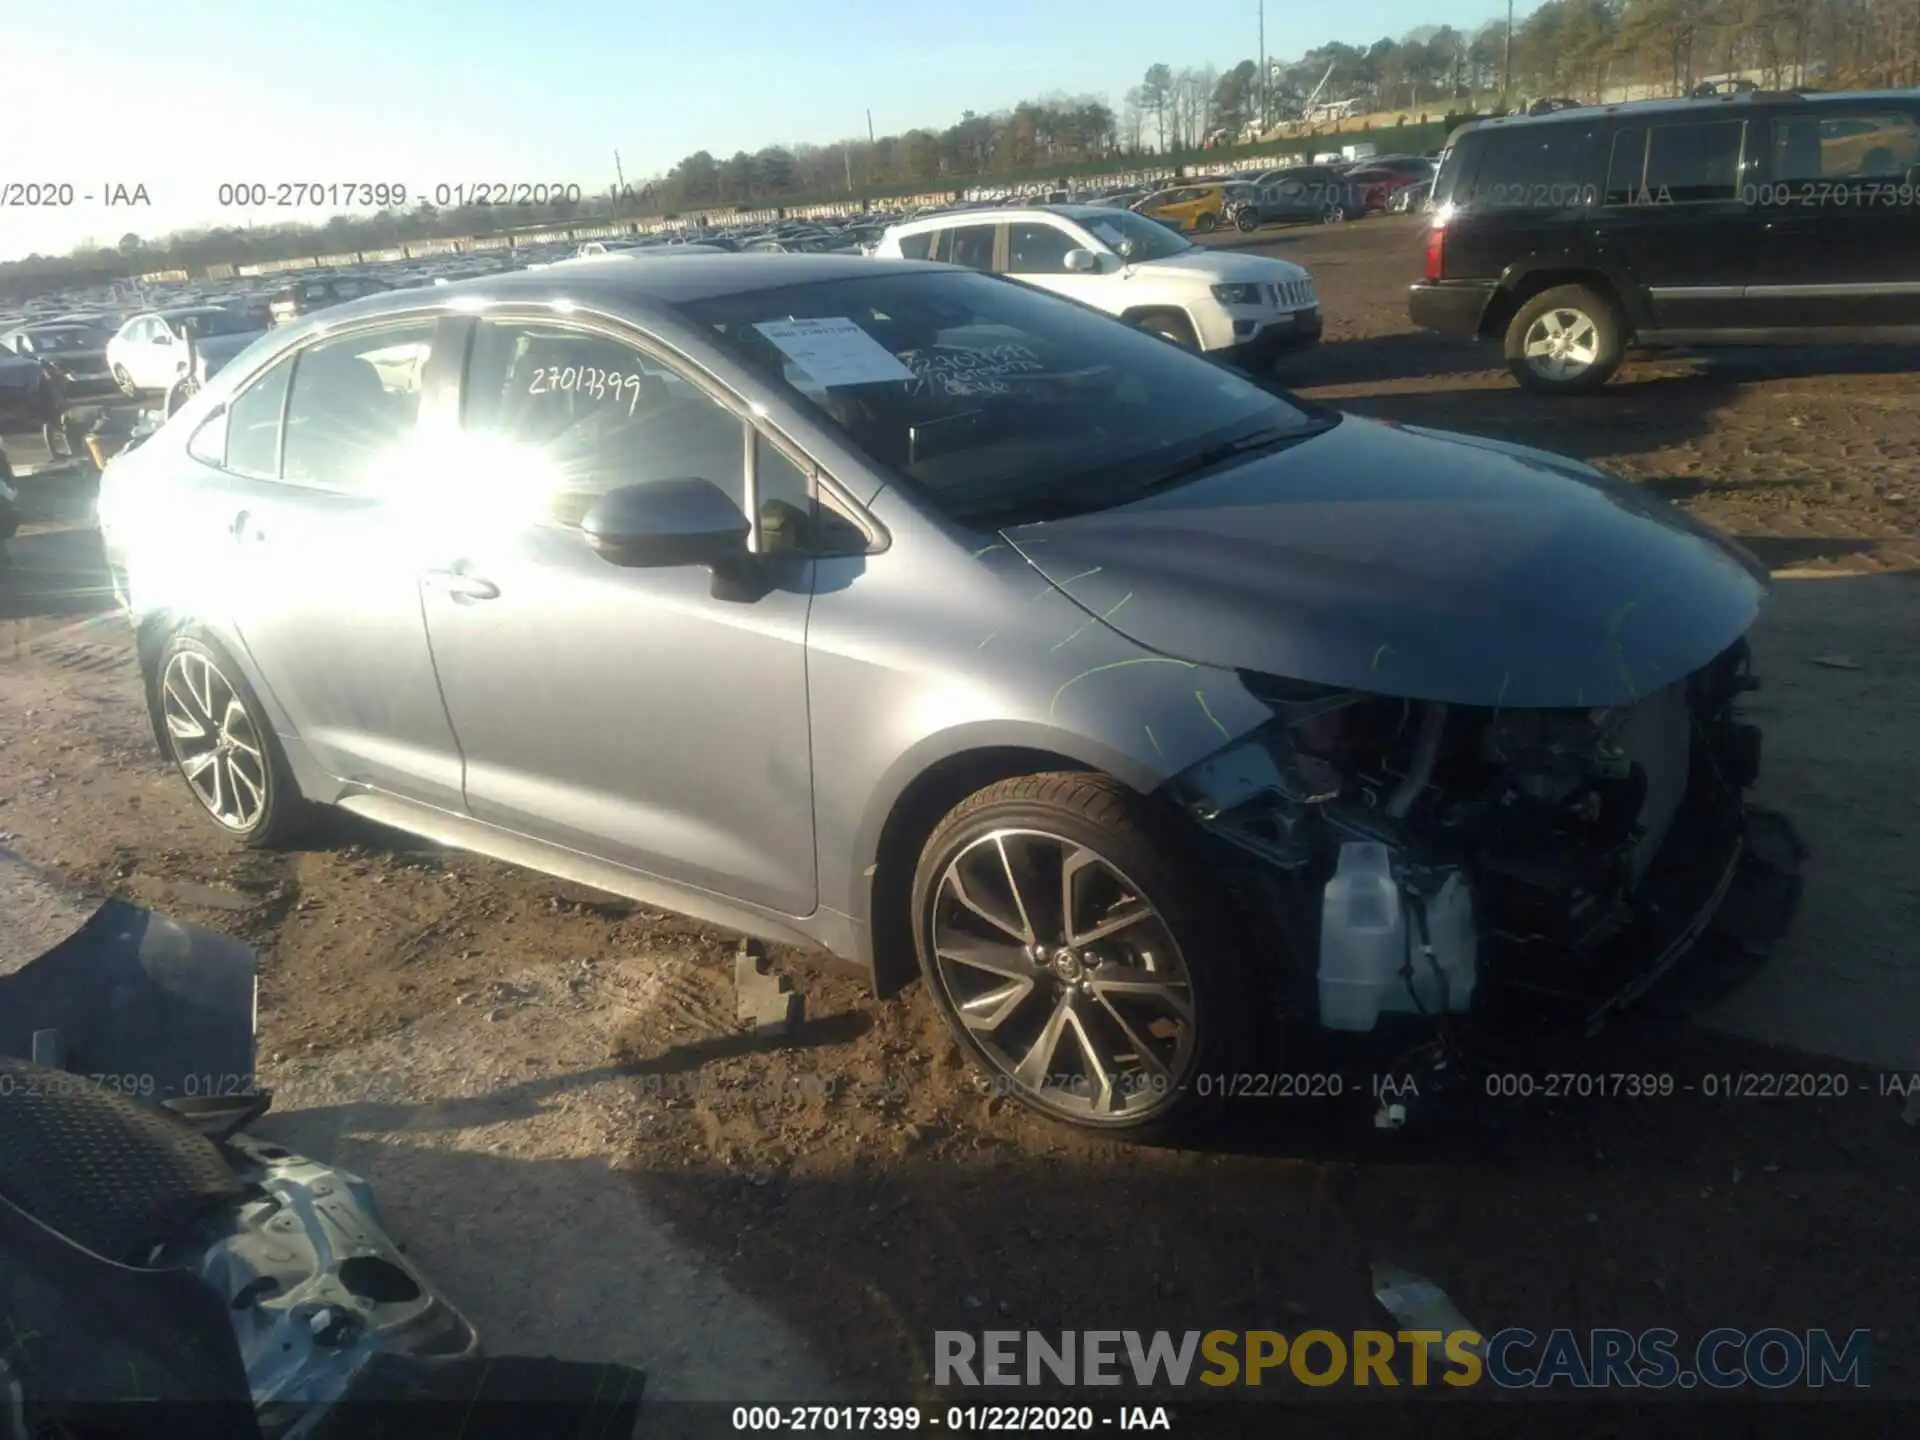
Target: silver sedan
1145, 710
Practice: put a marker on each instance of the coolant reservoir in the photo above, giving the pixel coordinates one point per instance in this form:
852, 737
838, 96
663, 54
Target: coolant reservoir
1363, 938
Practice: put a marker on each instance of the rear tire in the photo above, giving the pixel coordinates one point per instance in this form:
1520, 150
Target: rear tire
1333, 215
1077, 959
1247, 220
125, 382
1206, 223
222, 743
1565, 341
1169, 325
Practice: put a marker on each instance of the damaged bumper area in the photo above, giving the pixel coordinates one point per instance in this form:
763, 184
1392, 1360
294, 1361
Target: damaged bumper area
1426, 860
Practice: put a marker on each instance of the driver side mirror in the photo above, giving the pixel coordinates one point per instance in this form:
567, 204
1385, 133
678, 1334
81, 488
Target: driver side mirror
1081, 262
663, 523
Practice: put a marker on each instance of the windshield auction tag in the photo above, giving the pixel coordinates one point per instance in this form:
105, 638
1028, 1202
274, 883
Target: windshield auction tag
834, 351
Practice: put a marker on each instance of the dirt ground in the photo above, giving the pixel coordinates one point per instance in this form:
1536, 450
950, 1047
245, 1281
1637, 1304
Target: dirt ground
548, 1087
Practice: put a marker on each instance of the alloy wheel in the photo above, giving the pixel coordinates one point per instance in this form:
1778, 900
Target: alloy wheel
1065, 976
1561, 343
216, 741
1332, 215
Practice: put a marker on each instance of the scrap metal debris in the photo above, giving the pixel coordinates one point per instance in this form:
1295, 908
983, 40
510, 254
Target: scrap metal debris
1419, 1304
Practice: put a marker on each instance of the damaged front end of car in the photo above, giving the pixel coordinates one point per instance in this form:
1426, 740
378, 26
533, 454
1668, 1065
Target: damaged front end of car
1479, 869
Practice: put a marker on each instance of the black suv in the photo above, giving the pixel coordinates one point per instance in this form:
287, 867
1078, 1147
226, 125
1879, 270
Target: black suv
1757, 218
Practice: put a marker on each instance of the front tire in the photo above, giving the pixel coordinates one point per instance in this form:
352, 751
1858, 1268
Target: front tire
219, 739
1073, 957
1206, 223
1247, 220
125, 382
1565, 341
1333, 215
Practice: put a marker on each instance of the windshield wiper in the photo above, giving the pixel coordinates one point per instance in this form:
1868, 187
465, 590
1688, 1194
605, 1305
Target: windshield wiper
1215, 455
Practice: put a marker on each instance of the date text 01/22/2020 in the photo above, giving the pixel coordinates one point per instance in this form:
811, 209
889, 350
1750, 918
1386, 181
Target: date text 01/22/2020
319, 193
960, 1419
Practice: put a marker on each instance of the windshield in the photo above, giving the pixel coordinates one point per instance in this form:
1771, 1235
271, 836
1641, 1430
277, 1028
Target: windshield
1148, 239
999, 399
43, 342
202, 323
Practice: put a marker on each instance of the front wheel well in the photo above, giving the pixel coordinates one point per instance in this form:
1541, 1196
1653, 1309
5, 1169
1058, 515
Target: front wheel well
1506, 303
920, 807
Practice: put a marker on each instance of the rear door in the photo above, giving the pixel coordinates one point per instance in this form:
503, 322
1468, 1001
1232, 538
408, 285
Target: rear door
1676, 219
322, 573
1838, 192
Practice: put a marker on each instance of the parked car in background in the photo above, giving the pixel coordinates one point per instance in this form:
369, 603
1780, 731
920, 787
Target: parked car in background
1289, 200
1247, 309
316, 292
1134, 705
150, 352
1188, 207
30, 399
74, 358
1377, 184
1410, 198
1571, 236
9, 506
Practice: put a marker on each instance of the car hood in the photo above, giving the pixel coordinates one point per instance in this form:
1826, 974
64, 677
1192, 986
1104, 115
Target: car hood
1213, 267
1413, 563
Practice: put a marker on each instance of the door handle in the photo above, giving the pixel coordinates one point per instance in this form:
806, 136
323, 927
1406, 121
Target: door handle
459, 585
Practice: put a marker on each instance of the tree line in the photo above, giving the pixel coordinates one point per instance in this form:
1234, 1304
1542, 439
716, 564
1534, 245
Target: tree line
1582, 49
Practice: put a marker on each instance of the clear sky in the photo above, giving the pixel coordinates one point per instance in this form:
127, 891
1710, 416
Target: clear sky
180, 97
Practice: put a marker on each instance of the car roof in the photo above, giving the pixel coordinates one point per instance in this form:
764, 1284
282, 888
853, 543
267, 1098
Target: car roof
619, 282
993, 214
1700, 105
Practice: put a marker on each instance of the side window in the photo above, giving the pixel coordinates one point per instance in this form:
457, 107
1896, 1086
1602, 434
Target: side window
252, 437
1853, 145
1690, 164
208, 444
1038, 249
576, 414
355, 401
917, 247
971, 246
1540, 167
793, 520
1626, 166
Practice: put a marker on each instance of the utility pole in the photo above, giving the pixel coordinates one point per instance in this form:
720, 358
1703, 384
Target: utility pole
846, 154
1265, 118
1506, 62
870, 127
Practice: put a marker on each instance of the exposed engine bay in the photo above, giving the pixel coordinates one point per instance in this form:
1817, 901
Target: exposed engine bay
1439, 856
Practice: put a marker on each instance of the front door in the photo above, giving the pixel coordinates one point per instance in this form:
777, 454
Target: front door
1037, 254
326, 597
1839, 193
631, 714
1676, 220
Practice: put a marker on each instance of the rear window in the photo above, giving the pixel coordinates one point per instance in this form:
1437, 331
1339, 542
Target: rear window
915, 247
1694, 163
1531, 167
1865, 144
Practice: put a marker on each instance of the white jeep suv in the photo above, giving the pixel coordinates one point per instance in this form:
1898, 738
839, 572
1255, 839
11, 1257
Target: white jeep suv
1250, 309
